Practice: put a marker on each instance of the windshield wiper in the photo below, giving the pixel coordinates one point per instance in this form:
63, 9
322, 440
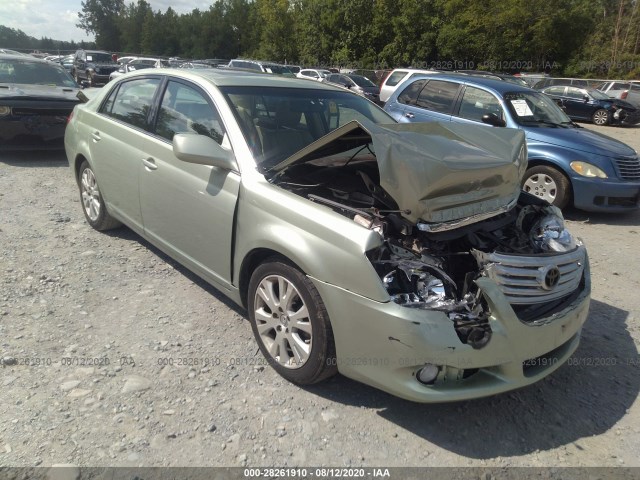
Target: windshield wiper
545, 122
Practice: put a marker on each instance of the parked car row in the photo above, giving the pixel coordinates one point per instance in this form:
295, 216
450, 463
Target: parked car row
139, 64
405, 256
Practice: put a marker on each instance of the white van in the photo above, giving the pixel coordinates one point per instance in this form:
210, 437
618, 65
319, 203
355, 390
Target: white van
395, 78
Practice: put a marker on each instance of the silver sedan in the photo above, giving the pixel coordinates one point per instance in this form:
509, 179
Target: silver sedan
403, 256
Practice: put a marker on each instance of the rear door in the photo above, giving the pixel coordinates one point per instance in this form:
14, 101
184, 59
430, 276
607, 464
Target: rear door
117, 145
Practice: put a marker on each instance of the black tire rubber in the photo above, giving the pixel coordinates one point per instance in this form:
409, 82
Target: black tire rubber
104, 220
563, 193
606, 115
322, 358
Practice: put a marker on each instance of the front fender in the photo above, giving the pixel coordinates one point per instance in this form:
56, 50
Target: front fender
324, 244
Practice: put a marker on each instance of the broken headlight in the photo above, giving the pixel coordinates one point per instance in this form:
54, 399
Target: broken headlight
550, 235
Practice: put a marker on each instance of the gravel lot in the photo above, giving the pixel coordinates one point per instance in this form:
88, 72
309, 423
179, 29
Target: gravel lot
68, 292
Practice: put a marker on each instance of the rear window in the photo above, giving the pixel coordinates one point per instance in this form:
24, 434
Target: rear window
395, 78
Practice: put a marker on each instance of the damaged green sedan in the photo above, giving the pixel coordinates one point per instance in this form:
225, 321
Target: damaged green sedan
404, 256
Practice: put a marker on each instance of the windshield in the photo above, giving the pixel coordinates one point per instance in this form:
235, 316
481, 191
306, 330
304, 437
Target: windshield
99, 57
34, 73
277, 122
362, 81
533, 108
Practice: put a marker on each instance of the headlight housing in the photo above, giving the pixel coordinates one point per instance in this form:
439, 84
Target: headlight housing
4, 111
587, 170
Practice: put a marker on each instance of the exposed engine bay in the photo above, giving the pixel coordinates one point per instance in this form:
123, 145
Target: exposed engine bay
525, 249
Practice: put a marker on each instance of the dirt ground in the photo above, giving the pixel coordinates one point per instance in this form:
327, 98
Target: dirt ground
99, 332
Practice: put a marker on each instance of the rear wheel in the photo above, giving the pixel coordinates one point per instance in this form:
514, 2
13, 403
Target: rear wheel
547, 183
93, 205
600, 117
290, 323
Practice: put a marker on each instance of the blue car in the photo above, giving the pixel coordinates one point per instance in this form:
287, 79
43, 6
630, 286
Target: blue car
567, 163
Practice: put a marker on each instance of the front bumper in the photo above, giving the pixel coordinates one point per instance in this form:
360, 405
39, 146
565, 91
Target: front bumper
607, 195
385, 344
33, 132
97, 79
631, 118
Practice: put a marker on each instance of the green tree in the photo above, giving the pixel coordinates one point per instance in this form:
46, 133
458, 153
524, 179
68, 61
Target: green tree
275, 22
100, 17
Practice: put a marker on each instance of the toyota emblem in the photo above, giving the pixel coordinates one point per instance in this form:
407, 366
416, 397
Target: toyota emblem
551, 278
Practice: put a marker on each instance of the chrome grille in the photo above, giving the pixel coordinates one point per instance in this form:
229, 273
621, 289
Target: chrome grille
628, 167
528, 280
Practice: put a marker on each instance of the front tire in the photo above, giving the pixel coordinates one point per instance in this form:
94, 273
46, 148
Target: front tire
290, 323
95, 211
600, 117
549, 184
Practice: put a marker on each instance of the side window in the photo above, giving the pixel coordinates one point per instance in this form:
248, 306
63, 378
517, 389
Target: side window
409, 95
476, 103
438, 96
555, 91
185, 110
575, 93
132, 102
108, 105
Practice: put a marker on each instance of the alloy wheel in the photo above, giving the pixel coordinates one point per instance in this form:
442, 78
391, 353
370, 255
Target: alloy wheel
90, 194
283, 321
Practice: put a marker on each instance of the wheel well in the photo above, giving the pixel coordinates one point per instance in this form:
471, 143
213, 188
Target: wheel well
252, 261
538, 162
76, 167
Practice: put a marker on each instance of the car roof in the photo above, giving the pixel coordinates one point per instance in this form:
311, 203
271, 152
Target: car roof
498, 86
224, 78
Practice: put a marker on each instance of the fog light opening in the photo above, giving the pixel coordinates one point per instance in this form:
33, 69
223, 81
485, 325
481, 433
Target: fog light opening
427, 375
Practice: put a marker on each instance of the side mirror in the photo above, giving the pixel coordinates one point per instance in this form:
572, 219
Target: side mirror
202, 150
586, 98
494, 120
347, 85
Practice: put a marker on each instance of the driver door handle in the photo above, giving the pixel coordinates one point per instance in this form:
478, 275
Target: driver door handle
149, 163
96, 136
409, 115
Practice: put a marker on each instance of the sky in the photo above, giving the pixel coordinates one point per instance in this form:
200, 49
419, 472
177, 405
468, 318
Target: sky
57, 19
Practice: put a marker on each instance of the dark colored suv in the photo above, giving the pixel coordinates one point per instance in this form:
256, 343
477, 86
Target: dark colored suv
93, 66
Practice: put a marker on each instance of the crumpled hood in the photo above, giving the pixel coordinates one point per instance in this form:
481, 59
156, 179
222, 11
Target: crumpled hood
39, 91
435, 172
580, 139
